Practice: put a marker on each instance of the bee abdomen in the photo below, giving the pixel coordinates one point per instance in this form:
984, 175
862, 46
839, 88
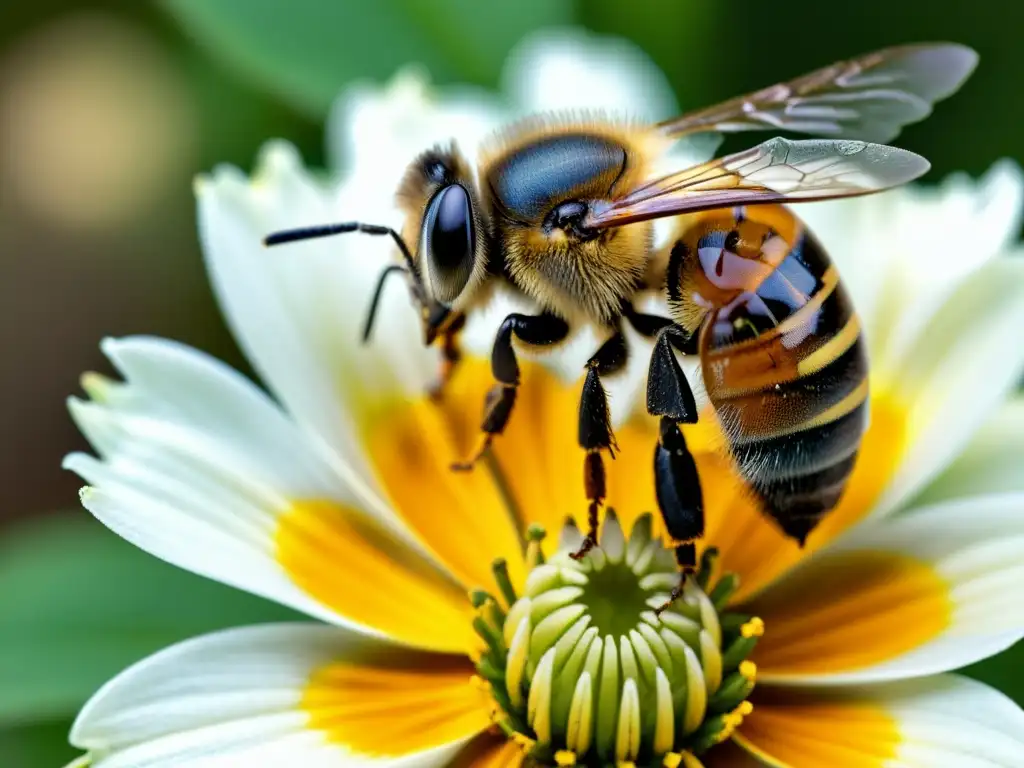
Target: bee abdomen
789, 383
799, 477
795, 442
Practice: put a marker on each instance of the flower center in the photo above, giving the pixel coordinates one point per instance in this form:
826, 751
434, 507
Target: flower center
584, 670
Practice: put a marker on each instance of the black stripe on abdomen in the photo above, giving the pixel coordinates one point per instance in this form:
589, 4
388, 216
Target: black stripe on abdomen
780, 409
798, 478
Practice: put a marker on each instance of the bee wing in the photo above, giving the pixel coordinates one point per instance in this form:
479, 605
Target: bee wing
869, 98
777, 171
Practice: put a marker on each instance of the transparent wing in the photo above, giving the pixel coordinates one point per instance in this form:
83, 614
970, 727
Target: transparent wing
777, 171
869, 98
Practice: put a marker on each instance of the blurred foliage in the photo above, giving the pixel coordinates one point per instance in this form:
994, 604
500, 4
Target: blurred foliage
43, 744
308, 51
77, 604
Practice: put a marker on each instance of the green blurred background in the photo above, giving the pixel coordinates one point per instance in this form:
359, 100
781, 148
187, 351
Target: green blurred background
108, 109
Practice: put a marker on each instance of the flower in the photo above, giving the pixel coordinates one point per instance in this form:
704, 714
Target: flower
454, 631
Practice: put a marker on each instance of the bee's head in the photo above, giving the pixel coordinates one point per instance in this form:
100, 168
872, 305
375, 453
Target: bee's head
443, 218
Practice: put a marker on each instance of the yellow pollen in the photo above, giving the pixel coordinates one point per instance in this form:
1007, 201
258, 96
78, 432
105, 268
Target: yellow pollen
625, 764
525, 742
733, 720
749, 670
753, 628
565, 757
689, 761
672, 760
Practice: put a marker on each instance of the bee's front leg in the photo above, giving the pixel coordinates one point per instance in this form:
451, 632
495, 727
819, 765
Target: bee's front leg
595, 430
542, 329
451, 355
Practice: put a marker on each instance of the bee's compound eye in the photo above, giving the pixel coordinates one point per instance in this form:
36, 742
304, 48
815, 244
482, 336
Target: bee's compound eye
449, 242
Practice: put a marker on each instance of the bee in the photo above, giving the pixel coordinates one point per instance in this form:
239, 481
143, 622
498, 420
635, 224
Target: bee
781, 354
560, 210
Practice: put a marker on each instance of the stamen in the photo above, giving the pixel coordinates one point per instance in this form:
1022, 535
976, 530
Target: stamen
504, 582
749, 670
724, 590
708, 561
535, 534
753, 628
586, 673
740, 648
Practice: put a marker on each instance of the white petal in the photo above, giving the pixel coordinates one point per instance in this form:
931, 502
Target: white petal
232, 698
376, 132
991, 462
991, 725
975, 548
198, 467
962, 365
298, 310
571, 70
939, 722
566, 69
181, 386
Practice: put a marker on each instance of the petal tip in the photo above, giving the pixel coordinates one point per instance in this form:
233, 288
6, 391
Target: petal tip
275, 158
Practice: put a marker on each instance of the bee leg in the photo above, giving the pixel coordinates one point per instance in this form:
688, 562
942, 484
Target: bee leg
676, 482
595, 431
648, 326
539, 330
680, 500
451, 354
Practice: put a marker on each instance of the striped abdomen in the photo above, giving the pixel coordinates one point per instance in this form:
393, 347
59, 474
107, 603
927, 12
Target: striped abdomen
783, 360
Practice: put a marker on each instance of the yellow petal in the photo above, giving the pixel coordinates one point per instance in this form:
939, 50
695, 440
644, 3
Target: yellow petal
850, 611
540, 461
461, 517
394, 705
339, 558
802, 732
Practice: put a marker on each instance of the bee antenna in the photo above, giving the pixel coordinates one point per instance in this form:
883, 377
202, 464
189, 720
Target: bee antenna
326, 230
377, 293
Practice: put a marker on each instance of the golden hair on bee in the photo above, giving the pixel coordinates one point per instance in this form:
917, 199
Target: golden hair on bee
529, 168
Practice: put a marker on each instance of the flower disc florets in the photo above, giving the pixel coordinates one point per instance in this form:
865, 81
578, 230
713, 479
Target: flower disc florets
584, 670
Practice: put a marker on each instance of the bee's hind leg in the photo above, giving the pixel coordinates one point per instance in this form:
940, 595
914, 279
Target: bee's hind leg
676, 482
542, 329
595, 430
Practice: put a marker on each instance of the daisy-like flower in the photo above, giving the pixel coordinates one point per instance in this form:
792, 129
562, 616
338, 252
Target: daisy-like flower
454, 629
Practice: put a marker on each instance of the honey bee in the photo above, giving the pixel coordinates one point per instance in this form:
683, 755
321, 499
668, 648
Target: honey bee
559, 209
